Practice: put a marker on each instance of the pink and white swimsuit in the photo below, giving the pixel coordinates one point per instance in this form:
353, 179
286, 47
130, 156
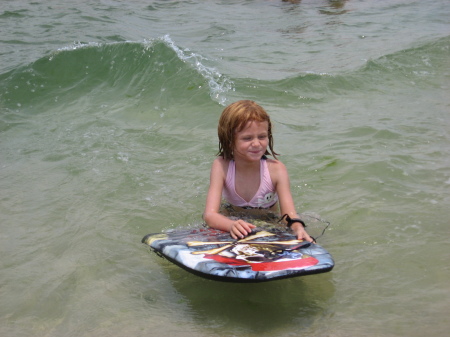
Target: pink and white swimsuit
265, 197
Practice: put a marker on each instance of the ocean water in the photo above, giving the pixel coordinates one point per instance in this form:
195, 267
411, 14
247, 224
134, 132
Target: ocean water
108, 116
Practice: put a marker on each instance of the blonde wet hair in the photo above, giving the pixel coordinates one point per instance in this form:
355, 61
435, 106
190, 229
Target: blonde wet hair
233, 119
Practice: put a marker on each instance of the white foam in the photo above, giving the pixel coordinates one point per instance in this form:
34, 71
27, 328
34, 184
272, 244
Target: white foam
219, 84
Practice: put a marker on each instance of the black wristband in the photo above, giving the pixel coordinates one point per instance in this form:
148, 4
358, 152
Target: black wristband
291, 221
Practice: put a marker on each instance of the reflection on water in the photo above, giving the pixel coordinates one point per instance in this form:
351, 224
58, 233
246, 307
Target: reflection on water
258, 307
332, 4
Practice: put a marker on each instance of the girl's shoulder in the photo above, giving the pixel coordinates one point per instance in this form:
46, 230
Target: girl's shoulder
276, 168
220, 164
275, 164
220, 161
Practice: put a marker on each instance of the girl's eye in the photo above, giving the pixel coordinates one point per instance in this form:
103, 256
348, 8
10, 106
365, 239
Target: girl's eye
263, 137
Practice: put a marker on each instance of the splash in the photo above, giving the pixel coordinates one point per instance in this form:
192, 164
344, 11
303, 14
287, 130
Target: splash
219, 85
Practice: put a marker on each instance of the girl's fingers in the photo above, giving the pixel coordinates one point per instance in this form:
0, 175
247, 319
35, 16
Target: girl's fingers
302, 235
241, 229
307, 238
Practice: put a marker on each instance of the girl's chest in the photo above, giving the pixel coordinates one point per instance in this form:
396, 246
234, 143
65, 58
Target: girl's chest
246, 186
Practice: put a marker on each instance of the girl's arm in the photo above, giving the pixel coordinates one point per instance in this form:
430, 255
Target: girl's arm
283, 188
237, 228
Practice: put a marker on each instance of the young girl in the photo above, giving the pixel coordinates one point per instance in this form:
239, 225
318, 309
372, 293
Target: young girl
243, 175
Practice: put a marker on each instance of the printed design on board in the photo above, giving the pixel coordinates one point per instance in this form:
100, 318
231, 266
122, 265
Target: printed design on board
258, 253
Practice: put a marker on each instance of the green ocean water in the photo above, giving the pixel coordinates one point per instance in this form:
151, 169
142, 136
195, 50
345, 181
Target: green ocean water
108, 117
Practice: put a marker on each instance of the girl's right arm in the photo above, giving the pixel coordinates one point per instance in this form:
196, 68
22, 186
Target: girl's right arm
237, 228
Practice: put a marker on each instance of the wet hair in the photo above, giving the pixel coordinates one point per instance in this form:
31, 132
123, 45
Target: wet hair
233, 119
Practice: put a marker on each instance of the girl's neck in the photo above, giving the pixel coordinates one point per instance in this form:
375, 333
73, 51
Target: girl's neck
247, 166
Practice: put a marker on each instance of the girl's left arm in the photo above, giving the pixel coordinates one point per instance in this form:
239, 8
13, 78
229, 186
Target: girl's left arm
280, 178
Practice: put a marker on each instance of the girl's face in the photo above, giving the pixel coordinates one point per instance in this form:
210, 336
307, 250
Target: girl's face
252, 141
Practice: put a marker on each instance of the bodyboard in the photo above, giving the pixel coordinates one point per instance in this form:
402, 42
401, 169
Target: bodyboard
264, 255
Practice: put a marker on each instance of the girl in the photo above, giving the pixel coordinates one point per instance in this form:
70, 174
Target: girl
243, 175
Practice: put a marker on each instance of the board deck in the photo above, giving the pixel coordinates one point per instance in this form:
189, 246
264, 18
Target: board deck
264, 255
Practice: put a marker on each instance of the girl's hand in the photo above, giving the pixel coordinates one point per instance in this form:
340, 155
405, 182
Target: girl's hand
240, 229
300, 231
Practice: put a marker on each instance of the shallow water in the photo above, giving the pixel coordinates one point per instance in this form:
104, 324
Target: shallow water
108, 116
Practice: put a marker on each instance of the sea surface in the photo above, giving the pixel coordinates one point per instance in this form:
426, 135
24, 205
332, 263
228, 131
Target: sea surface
108, 117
